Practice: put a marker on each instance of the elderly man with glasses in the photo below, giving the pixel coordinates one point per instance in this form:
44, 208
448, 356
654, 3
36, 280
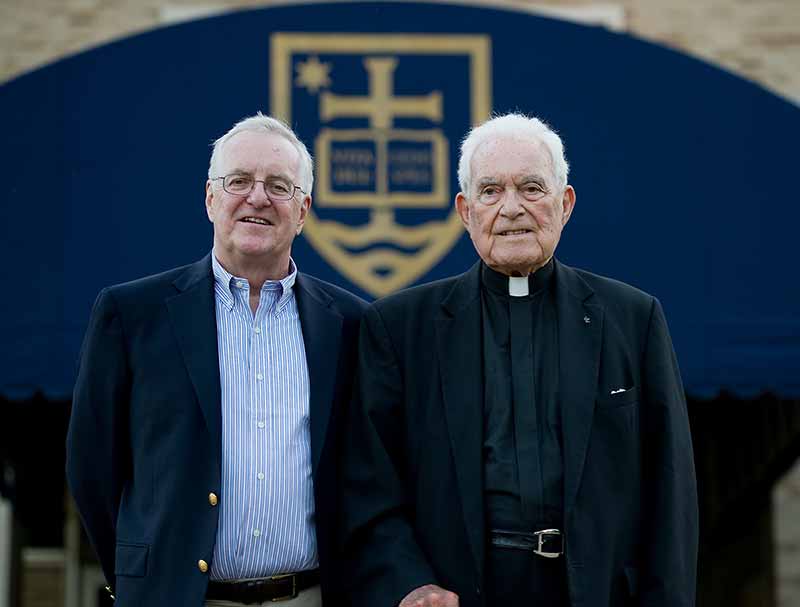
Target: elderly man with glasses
202, 443
520, 435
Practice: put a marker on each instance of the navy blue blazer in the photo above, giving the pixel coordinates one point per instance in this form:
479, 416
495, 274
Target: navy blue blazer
413, 461
143, 447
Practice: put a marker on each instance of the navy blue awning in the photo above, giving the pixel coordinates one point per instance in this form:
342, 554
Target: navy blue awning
683, 174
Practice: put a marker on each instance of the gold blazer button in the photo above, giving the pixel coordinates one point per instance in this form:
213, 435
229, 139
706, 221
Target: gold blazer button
212, 499
202, 565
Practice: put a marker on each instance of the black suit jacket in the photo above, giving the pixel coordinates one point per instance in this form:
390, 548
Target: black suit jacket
143, 448
413, 464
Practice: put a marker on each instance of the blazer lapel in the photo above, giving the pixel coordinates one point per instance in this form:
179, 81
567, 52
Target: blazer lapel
322, 333
580, 330
458, 337
194, 321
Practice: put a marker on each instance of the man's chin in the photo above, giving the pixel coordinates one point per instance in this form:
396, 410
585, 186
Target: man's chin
254, 246
517, 266
252, 253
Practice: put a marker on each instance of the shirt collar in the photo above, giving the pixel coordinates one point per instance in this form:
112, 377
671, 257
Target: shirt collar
499, 283
224, 283
286, 286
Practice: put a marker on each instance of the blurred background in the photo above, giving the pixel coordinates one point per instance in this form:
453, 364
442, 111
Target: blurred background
746, 446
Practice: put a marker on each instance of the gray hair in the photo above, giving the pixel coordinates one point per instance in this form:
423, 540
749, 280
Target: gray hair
260, 122
518, 126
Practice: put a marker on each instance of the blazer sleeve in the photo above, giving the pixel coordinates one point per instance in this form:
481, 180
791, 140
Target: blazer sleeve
381, 553
669, 568
98, 451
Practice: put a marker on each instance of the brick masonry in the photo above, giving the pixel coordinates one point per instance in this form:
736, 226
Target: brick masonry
757, 40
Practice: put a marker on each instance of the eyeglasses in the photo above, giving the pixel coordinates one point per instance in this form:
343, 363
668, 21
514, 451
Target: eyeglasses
276, 189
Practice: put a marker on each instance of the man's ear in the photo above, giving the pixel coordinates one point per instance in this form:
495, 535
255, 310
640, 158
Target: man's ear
462, 206
567, 204
210, 200
305, 205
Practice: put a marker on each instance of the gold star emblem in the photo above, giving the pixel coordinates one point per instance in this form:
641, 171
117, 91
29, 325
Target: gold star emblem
313, 74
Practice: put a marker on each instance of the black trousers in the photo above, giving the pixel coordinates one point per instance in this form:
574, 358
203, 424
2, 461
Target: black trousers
520, 578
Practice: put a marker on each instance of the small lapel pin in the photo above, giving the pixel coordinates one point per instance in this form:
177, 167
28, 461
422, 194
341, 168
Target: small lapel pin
587, 320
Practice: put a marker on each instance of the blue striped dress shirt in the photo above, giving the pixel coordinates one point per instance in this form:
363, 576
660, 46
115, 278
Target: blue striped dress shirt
266, 517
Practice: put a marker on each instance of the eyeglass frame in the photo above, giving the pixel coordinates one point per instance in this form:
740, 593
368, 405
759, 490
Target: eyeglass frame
263, 183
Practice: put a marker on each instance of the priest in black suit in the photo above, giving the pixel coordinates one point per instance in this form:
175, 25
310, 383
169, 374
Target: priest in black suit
520, 434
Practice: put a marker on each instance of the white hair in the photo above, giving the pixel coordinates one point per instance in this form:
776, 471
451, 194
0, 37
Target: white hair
517, 126
260, 122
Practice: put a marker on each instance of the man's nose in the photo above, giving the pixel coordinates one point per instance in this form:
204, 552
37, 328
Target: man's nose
511, 204
258, 195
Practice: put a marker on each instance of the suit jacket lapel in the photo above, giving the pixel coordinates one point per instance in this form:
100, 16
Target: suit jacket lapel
322, 332
194, 321
458, 337
580, 329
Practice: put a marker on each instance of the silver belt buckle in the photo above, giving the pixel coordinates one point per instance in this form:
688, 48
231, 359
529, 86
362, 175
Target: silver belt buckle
540, 543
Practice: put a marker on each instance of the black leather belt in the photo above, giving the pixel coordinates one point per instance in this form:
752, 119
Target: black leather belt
275, 588
548, 543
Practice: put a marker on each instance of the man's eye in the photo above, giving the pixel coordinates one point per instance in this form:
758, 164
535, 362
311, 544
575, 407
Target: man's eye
279, 187
490, 191
238, 182
532, 189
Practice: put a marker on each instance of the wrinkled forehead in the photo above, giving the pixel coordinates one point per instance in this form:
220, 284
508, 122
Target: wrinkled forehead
255, 151
508, 156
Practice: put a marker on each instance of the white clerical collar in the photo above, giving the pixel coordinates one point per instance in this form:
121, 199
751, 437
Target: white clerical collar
518, 286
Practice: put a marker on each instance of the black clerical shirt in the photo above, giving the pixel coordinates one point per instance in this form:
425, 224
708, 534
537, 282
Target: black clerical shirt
522, 448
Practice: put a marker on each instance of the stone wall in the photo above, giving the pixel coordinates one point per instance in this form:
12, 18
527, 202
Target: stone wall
786, 508
758, 40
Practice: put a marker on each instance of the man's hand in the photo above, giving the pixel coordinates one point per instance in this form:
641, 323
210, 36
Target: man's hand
430, 595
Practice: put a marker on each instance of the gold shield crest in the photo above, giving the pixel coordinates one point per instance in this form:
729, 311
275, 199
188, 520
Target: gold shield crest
383, 119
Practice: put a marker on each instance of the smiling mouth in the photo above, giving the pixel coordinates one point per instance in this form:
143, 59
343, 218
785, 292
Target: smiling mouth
514, 232
256, 220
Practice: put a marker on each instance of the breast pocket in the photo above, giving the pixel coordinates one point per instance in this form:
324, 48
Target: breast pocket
620, 399
617, 419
